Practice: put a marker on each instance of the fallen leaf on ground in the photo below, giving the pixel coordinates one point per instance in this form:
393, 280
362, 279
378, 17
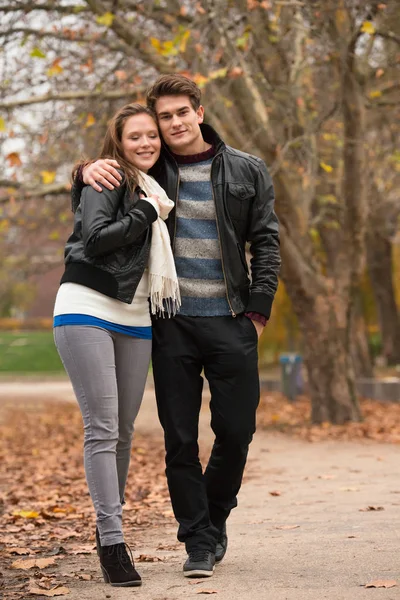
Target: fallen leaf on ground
20, 551
371, 508
40, 563
207, 592
287, 526
275, 493
26, 514
56, 591
87, 549
380, 420
381, 583
84, 576
196, 582
148, 558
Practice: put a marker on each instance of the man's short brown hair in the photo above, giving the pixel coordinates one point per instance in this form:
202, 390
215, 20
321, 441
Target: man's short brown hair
173, 85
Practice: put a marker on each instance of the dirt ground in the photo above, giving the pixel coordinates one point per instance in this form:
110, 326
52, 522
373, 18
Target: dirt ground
314, 521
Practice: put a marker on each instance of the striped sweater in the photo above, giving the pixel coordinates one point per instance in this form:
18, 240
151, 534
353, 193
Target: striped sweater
197, 250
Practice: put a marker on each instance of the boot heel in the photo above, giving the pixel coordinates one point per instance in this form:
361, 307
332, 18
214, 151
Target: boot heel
105, 575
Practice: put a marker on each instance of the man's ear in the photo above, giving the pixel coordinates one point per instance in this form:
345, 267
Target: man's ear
200, 114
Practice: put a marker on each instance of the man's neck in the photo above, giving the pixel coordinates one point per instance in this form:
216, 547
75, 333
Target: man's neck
197, 148
183, 159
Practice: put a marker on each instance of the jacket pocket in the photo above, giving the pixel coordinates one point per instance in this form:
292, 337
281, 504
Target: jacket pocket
238, 195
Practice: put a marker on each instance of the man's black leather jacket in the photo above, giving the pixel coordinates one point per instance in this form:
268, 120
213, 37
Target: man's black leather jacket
244, 203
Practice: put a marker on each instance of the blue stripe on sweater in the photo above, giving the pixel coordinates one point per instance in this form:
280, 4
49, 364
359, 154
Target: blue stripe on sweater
143, 333
195, 190
199, 268
196, 229
204, 307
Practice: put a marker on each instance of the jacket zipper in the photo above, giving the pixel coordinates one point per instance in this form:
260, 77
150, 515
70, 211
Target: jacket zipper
220, 244
176, 206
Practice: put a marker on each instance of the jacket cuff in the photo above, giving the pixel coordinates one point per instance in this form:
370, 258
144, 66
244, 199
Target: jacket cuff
148, 209
260, 303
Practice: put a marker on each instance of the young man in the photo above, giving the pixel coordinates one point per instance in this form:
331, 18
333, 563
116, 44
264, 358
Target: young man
224, 198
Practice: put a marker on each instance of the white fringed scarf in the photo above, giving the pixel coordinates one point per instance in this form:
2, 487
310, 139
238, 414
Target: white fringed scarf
163, 281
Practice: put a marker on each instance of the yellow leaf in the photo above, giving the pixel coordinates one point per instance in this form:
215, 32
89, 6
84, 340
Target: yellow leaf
368, 27
90, 120
375, 94
54, 235
37, 53
48, 176
26, 514
325, 167
155, 43
200, 80
220, 73
184, 41
2, 124
55, 68
106, 19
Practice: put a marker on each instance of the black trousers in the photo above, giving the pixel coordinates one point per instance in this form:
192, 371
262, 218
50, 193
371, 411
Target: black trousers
226, 348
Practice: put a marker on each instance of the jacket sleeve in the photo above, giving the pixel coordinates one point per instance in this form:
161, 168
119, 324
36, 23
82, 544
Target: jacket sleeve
101, 232
263, 235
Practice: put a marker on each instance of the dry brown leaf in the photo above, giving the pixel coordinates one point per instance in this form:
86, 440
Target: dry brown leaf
371, 508
207, 592
20, 551
85, 576
275, 493
30, 563
56, 591
148, 558
381, 583
84, 549
196, 582
287, 527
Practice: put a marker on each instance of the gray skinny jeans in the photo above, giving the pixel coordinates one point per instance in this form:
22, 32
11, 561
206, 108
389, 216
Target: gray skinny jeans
108, 372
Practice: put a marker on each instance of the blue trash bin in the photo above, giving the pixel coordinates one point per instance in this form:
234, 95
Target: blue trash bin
291, 375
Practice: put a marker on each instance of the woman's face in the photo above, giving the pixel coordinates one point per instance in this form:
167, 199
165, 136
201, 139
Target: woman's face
141, 142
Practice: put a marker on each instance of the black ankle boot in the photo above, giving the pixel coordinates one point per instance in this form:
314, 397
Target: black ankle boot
117, 567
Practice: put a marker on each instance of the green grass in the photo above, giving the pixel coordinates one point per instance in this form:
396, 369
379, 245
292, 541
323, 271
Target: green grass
29, 352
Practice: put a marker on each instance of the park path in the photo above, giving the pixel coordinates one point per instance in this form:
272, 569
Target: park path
300, 531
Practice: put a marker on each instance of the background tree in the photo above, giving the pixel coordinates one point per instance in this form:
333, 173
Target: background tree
299, 83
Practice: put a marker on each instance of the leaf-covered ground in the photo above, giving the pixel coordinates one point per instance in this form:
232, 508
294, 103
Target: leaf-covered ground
44, 504
381, 420
46, 512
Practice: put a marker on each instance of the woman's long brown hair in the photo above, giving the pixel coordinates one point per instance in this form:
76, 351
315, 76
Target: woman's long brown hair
112, 143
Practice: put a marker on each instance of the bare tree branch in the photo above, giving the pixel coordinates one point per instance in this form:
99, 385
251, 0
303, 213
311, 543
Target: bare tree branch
24, 192
27, 7
40, 34
389, 35
133, 36
65, 96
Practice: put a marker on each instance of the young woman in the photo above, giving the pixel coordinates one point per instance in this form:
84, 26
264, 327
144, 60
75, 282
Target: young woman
117, 256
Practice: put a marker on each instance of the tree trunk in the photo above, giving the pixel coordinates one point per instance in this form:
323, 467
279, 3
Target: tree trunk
359, 343
380, 268
326, 332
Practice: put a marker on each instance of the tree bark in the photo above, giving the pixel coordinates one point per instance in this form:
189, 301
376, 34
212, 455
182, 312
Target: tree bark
380, 268
326, 330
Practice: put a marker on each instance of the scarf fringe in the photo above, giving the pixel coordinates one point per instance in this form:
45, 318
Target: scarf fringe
165, 297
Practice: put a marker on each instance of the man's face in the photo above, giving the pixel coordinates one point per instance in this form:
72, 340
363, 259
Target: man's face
180, 124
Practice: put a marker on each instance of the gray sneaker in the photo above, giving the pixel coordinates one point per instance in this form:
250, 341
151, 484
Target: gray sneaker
200, 563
